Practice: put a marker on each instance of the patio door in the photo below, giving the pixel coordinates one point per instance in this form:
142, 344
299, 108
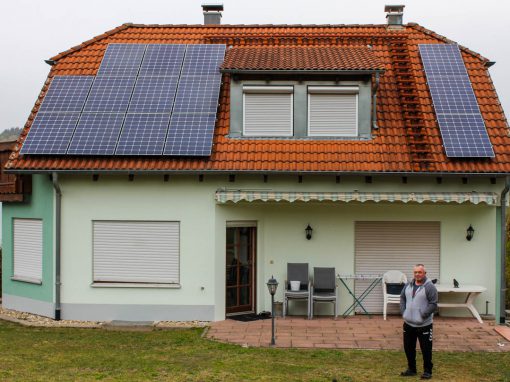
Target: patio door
240, 269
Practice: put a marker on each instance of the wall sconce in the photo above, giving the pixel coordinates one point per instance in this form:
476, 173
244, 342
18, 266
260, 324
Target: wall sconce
308, 231
470, 232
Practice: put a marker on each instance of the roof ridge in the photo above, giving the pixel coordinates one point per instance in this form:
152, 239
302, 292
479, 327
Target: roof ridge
442, 38
91, 41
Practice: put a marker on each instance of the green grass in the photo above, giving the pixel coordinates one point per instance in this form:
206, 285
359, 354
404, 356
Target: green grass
28, 354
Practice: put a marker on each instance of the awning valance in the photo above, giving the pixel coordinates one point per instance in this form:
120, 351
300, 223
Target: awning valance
234, 196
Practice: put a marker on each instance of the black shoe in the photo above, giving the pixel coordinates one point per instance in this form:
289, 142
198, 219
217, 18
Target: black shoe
426, 375
408, 373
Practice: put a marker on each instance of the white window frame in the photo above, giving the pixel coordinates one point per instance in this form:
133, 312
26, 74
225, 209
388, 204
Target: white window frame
254, 89
333, 90
40, 248
135, 283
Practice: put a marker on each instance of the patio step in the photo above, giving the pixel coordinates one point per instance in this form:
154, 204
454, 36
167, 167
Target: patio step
139, 326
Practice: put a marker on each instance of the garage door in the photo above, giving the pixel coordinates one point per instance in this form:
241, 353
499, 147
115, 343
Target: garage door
382, 246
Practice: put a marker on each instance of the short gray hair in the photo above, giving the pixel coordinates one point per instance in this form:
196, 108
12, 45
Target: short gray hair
421, 265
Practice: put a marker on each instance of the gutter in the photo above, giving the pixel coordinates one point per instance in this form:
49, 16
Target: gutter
58, 201
502, 313
374, 102
302, 71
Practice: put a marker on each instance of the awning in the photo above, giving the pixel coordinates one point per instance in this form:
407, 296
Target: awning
234, 196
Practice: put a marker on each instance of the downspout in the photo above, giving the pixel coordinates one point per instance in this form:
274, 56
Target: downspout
58, 200
502, 296
374, 102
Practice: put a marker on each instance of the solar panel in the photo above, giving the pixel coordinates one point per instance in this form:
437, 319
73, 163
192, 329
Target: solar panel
50, 133
162, 60
66, 94
190, 134
96, 134
153, 95
110, 95
197, 94
203, 59
458, 114
121, 60
143, 134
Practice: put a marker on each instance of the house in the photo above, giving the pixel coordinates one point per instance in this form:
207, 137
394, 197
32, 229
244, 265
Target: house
162, 203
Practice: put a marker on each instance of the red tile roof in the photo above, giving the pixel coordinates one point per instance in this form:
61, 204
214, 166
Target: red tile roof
407, 139
317, 58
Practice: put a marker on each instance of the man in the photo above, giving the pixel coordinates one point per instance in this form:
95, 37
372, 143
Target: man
418, 301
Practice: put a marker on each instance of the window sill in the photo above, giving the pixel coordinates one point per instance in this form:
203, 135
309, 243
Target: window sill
27, 280
135, 285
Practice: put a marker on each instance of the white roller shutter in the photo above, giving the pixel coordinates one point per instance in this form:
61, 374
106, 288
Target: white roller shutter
136, 251
268, 114
383, 246
28, 250
332, 114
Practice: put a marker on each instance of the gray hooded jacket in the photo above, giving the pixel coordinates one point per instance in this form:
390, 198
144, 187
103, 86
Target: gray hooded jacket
419, 310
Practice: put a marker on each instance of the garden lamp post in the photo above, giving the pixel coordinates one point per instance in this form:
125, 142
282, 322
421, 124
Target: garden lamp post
272, 285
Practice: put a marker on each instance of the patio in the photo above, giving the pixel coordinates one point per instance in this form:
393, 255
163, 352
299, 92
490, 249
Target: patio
358, 332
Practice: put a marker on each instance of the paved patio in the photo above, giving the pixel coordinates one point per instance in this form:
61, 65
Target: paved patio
358, 332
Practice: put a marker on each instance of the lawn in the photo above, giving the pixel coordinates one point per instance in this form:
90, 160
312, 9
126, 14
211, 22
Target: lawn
28, 354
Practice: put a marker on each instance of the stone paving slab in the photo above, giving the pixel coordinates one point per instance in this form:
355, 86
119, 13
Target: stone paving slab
359, 332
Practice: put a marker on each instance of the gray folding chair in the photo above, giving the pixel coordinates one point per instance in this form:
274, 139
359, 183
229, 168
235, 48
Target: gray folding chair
297, 272
324, 287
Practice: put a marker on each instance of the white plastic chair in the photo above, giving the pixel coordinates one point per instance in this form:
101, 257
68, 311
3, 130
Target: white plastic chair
392, 277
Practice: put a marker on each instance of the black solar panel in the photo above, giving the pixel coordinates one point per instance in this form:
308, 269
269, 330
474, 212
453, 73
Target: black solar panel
197, 94
190, 134
50, 133
203, 59
153, 95
458, 114
162, 60
110, 95
121, 60
143, 134
96, 134
66, 94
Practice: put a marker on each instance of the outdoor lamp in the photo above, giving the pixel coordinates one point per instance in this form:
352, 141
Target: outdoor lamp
470, 232
308, 231
272, 285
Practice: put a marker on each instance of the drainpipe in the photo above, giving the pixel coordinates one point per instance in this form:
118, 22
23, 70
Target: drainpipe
504, 194
374, 102
58, 201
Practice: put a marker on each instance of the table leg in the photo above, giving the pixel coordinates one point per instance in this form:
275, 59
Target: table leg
469, 304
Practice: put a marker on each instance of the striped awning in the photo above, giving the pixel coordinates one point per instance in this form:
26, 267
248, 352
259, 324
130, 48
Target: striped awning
235, 196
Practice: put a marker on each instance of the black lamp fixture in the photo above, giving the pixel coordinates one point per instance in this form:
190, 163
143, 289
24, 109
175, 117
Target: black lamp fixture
308, 231
272, 285
470, 233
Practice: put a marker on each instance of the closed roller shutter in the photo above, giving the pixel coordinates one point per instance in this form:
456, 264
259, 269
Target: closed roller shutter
28, 249
268, 114
137, 252
333, 115
382, 246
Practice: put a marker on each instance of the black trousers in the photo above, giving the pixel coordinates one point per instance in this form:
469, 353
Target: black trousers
424, 336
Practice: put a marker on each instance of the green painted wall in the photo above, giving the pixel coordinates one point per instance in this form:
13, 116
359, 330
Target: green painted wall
39, 205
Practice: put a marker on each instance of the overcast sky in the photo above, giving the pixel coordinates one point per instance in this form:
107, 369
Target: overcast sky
34, 30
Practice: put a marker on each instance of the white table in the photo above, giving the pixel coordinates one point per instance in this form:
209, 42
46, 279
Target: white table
472, 292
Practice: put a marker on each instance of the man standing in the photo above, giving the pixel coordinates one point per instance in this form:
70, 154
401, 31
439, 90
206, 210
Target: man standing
418, 301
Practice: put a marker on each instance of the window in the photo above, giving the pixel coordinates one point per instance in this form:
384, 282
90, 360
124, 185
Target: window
267, 111
28, 250
136, 252
333, 111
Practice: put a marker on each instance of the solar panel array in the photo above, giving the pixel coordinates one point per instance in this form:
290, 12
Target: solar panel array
158, 99
458, 114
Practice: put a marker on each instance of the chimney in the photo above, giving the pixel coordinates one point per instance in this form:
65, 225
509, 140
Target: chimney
212, 13
395, 15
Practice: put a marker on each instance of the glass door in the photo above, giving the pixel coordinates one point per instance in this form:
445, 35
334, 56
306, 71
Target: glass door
240, 269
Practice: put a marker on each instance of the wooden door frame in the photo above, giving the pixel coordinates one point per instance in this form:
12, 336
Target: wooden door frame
253, 225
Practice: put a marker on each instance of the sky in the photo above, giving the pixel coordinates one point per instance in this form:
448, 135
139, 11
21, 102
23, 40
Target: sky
34, 30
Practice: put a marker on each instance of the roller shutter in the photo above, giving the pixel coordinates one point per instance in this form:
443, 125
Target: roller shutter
382, 246
28, 249
268, 114
333, 114
136, 251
